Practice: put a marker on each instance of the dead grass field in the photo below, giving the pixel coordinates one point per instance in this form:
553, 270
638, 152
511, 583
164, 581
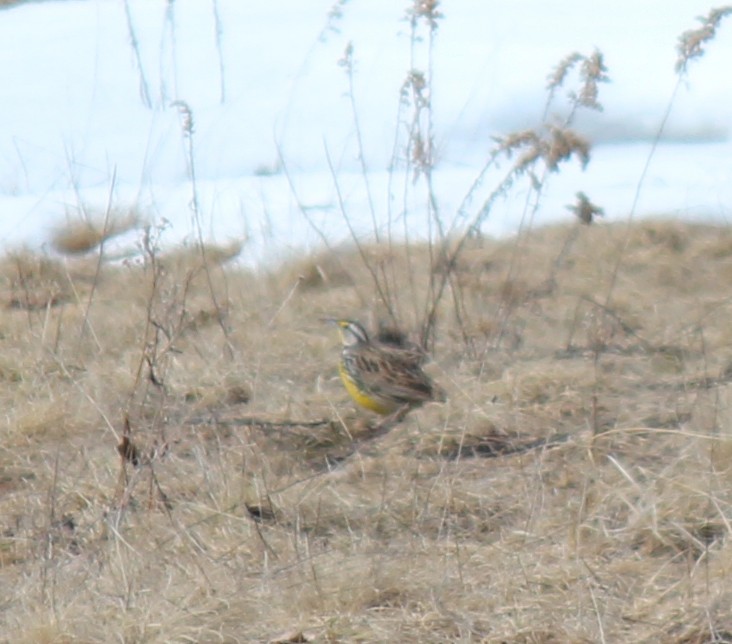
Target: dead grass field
576, 487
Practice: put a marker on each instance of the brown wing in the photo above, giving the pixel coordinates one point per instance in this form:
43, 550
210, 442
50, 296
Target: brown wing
398, 378
409, 353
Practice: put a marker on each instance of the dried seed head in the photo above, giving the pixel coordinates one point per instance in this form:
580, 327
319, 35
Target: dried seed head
560, 144
691, 42
186, 115
563, 144
425, 10
559, 74
592, 71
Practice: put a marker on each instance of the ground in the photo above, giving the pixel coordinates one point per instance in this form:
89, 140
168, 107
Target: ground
180, 463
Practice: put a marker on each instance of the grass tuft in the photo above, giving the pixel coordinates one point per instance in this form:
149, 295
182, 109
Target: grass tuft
84, 234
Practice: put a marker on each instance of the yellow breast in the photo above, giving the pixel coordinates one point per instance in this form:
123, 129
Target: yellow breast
361, 397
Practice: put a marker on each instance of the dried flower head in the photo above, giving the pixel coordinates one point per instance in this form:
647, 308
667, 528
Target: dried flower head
691, 42
564, 143
559, 73
592, 71
557, 145
335, 15
186, 115
425, 10
346, 61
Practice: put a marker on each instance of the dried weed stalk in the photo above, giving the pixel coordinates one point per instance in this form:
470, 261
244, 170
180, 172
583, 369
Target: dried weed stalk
218, 32
532, 154
690, 47
187, 130
135, 44
535, 153
415, 154
166, 320
347, 63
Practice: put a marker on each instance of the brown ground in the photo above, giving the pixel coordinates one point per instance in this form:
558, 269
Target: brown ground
576, 486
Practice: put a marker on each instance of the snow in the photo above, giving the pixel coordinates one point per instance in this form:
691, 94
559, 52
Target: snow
76, 134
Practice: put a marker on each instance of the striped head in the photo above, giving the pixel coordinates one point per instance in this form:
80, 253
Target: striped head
352, 333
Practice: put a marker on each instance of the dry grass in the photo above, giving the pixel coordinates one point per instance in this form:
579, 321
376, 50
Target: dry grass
80, 235
574, 488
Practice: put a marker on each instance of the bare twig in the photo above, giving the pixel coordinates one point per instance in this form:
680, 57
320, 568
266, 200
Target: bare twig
144, 87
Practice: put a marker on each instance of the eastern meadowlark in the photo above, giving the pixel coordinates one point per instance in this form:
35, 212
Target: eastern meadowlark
381, 376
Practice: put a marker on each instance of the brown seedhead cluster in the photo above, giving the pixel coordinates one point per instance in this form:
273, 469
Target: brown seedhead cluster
691, 43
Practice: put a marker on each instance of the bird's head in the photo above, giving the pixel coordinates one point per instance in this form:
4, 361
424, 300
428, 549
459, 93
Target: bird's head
352, 333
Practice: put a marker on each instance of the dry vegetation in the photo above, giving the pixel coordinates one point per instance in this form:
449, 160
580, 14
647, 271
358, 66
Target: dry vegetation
574, 488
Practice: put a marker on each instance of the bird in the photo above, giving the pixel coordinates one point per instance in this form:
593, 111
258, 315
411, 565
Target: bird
382, 377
